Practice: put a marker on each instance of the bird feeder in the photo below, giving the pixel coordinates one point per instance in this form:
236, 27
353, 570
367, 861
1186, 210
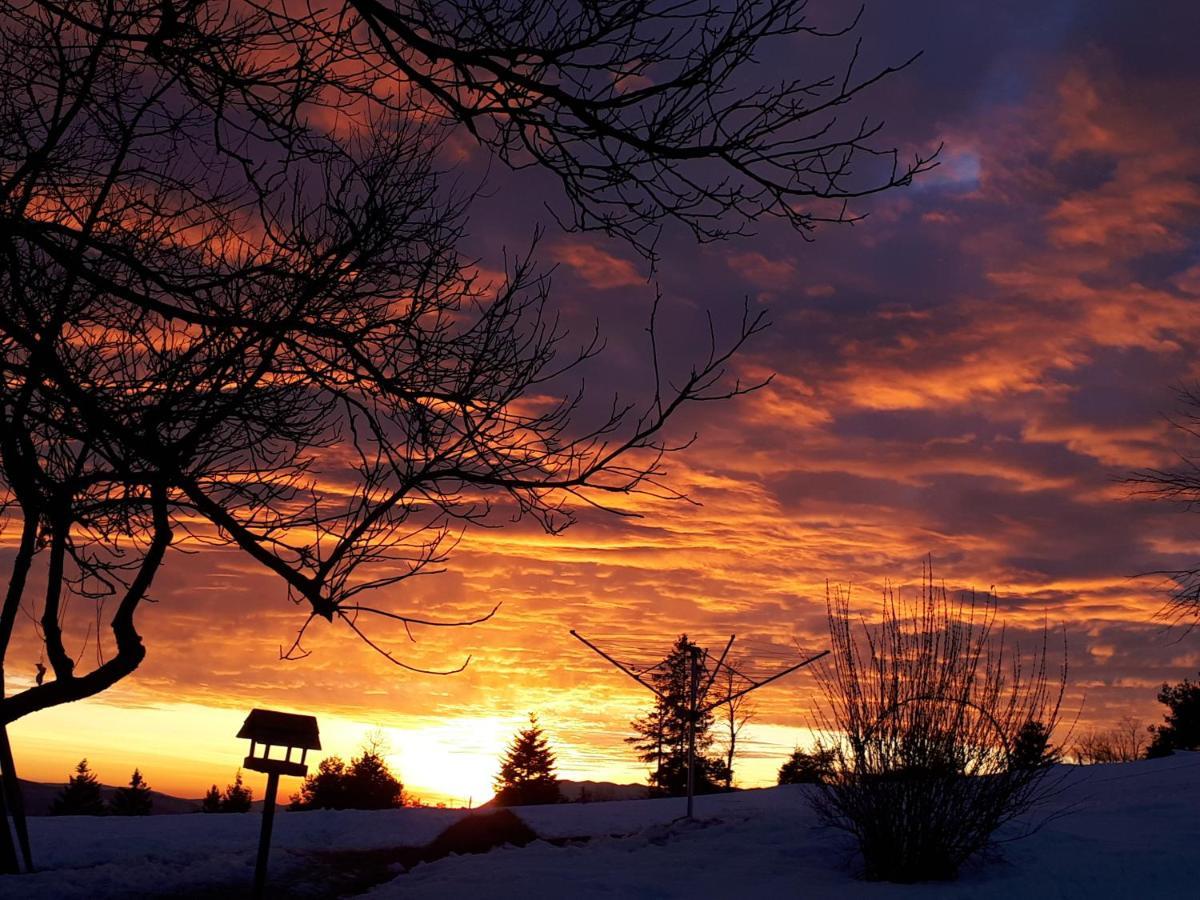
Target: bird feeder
285, 734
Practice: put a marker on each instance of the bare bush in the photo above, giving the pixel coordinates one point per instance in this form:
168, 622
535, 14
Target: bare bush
929, 712
1124, 742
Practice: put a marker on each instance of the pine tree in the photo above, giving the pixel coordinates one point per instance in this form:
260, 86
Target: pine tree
134, 800
372, 784
81, 796
212, 800
662, 735
237, 798
527, 770
1181, 727
1032, 748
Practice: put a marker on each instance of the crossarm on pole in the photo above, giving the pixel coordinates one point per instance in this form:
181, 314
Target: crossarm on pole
620, 666
758, 684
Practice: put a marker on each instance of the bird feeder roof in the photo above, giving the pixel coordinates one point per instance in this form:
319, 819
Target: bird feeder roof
280, 729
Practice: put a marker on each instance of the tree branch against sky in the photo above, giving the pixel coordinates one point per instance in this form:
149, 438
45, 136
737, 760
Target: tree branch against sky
237, 312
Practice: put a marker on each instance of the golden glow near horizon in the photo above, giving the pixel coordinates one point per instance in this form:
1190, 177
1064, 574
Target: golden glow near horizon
183, 748
968, 376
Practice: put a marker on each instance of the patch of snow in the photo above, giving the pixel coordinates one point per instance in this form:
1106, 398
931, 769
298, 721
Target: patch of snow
1122, 830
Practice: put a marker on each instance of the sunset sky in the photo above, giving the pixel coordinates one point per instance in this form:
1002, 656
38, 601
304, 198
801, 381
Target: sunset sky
968, 374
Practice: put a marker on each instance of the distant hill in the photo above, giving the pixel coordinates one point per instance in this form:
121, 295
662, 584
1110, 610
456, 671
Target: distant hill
38, 797
593, 792
598, 791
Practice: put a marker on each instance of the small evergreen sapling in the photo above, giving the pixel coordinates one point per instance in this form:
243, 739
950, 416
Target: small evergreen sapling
134, 800
527, 770
237, 798
212, 800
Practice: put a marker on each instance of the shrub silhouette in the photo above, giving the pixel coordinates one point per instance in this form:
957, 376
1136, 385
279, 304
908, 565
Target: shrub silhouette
804, 767
936, 750
366, 783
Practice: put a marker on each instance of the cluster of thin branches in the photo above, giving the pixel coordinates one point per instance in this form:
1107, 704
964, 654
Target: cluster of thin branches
649, 111
1179, 484
931, 713
235, 308
1125, 741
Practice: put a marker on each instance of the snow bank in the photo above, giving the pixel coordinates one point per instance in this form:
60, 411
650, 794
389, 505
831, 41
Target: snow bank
1128, 830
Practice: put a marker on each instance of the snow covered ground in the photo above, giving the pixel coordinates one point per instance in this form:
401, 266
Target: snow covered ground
1127, 830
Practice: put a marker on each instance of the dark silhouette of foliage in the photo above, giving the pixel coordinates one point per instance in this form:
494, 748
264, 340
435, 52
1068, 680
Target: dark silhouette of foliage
661, 737
133, 800
1032, 748
237, 798
212, 800
925, 712
81, 796
1181, 726
808, 767
526, 775
366, 783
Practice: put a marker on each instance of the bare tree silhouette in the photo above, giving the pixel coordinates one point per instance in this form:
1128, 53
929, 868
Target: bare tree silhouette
927, 715
1179, 484
235, 309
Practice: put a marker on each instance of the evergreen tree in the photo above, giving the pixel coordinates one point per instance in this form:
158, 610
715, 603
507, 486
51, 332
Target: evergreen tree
662, 735
1181, 728
237, 798
81, 796
371, 784
1032, 748
527, 770
134, 800
804, 767
366, 783
212, 800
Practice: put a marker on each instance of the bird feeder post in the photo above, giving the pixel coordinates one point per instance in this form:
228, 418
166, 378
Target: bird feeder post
264, 838
270, 728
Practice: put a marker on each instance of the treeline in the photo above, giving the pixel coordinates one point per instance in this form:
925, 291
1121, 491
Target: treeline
82, 796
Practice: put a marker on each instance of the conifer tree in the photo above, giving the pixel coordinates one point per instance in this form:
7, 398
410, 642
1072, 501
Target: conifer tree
1181, 723
134, 800
236, 799
1032, 748
212, 800
81, 796
527, 770
662, 735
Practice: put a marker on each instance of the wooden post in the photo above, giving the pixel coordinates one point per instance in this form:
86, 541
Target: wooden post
264, 839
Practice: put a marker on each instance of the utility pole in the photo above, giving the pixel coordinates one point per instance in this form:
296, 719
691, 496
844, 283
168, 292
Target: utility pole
693, 677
